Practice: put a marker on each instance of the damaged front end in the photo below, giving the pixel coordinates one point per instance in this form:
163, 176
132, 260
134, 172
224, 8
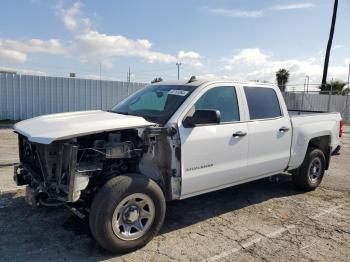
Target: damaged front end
48, 169
60, 171
71, 171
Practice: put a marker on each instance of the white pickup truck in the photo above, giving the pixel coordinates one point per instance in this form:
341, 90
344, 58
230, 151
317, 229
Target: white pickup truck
168, 141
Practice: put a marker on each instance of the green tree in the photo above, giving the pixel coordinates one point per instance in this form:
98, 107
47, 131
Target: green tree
336, 86
282, 77
156, 80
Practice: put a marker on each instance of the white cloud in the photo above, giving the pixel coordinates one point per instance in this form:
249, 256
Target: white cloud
32, 72
12, 56
188, 55
190, 58
293, 6
69, 16
93, 45
234, 12
230, 77
237, 13
256, 65
98, 77
248, 56
24, 71
17, 50
312, 59
338, 46
298, 70
338, 72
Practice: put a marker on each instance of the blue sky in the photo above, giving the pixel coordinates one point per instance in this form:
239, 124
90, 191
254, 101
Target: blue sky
236, 39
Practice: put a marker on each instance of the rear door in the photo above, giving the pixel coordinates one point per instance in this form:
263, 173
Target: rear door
269, 131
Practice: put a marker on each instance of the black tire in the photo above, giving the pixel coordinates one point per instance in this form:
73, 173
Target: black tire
106, 201
302, 177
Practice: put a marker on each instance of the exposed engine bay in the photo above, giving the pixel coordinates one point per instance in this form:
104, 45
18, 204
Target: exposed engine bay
71, 171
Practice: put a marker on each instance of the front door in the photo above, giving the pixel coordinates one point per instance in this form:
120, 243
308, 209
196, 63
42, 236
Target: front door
213, 156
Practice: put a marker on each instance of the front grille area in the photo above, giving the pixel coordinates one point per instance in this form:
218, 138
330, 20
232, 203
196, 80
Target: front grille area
50, 167
31, 157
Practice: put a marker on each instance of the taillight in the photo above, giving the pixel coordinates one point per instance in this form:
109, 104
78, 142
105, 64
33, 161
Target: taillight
341, 128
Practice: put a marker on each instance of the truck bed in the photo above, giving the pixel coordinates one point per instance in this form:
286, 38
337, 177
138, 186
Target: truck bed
309, 124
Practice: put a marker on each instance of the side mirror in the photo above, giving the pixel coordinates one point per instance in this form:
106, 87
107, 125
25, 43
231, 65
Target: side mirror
202, 117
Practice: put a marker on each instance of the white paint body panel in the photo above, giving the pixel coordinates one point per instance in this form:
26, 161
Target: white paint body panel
214, 146
265, 150
227, 160
308, 126
269, 148
48, 128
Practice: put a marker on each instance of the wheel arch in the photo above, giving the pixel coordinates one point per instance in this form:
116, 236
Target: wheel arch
303, 140
322, 143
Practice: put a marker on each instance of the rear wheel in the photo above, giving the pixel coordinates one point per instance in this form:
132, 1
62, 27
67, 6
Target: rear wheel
126, 213
310, 174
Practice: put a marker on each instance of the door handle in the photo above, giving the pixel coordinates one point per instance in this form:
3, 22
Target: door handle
284, 129
239, 134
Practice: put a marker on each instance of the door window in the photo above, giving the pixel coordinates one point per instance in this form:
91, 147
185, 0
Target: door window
262, 102
222, 98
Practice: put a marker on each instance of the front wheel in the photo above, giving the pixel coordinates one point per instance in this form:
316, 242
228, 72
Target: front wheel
126, 213
310, 174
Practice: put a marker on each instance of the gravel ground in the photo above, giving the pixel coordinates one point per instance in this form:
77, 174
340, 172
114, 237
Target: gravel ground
259, 221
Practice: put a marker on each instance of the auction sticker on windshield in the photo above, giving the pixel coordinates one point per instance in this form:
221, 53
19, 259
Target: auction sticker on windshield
178, 92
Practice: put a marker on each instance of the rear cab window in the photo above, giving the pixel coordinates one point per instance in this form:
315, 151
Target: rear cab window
262, 102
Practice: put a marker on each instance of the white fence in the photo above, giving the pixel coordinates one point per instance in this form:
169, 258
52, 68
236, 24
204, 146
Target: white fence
318, 102
26, 96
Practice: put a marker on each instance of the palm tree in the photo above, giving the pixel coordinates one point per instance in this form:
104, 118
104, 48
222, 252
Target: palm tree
282, 77
336, 86
156, 80
329, 45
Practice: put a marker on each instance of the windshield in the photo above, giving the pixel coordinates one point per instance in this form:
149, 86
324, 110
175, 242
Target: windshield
155, 103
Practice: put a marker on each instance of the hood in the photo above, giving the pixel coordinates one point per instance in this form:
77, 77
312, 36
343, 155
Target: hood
48, 128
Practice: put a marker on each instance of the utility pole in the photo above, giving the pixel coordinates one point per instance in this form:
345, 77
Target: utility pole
302, 98
349, 76
178, 70
128, 76
307, 84
329, 45
100, 71
347, 97
101, 86
128, 79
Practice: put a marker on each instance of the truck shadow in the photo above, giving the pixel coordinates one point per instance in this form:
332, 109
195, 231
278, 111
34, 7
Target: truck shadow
190, 211
31, 234
181, 214
193, 210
